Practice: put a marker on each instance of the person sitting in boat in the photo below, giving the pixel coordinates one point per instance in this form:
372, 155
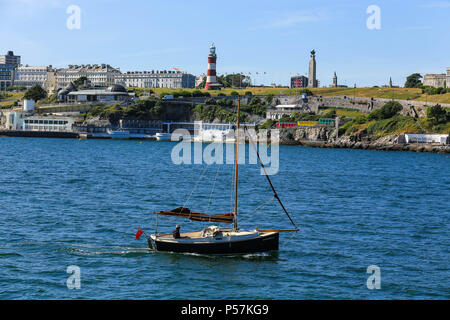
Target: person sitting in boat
176, 232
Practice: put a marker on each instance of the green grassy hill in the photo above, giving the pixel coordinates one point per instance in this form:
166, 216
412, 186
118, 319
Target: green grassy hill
10, 98
374, 92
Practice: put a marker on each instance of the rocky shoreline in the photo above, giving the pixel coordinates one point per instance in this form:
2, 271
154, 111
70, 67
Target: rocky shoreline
325, 137
413, 147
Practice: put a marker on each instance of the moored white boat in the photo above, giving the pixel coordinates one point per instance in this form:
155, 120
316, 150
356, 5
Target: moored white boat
163, 136
215, 136
118, 134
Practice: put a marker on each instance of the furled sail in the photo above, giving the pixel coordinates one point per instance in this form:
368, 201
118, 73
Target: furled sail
197, 216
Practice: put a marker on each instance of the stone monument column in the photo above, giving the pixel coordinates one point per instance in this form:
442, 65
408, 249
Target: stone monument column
312, 82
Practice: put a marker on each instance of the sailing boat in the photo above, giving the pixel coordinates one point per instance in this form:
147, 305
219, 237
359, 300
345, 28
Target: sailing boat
216, 240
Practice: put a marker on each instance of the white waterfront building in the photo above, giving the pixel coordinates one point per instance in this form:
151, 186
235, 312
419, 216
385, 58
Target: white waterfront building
285, 110
48, 123
427, 138
156, 79
24, 121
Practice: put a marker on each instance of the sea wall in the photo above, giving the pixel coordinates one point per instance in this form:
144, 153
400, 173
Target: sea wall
38, 134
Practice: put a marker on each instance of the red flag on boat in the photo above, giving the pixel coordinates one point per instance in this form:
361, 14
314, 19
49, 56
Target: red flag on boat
139, 233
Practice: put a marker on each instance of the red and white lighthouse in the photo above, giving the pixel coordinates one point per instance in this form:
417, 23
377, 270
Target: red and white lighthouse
211, 79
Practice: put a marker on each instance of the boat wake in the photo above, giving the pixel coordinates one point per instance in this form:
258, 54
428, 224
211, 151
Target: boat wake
113, 250
262, 256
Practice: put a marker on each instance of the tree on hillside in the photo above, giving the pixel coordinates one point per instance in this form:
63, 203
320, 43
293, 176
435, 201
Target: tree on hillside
255, 100
305, 91
269, 98
210, 101
234, 80
202, 84
35, 93
197, 93
413, 81
143, 109
80, 81
437, 114
225, 102
387, 111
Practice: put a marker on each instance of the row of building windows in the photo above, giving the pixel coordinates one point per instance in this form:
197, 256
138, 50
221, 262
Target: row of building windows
45, 128
60, 122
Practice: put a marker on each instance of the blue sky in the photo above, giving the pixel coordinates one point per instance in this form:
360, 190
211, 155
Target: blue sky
251, 36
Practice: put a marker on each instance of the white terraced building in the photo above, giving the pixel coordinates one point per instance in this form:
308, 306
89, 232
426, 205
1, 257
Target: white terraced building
156, 79
99, 75
29, 76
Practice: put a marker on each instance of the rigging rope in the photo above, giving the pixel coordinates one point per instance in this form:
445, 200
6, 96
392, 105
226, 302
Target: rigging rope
195, 187
258, 208
270, 182
263, 205
232, 190
212, 191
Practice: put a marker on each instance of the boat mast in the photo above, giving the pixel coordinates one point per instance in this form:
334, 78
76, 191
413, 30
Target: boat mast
236, 169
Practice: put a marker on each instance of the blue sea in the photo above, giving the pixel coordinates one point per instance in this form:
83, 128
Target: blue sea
65, 202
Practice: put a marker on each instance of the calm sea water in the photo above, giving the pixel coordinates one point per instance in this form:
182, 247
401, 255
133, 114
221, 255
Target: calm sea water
67, 202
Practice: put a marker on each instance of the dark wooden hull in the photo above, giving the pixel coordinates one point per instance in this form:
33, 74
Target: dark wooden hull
255, 245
